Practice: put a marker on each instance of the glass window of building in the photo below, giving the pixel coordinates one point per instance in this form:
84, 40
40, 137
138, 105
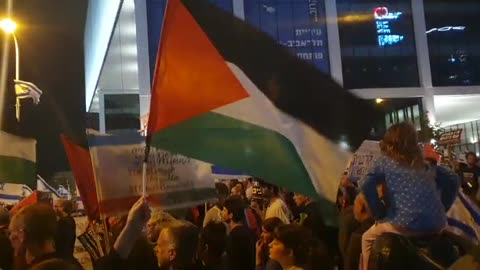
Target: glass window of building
453, 34
155, 12
377, 44
122, 112
299, 25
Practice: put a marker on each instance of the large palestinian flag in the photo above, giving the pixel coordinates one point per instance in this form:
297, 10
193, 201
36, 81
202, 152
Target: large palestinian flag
17, 159
227, 94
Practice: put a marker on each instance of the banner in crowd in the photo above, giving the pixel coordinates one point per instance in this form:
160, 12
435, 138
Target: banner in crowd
173, 181
362, 160
82, 253
250, 106
17, 159
451, 137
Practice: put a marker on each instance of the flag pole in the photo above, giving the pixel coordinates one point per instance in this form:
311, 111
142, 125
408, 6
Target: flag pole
145, 161
17, 76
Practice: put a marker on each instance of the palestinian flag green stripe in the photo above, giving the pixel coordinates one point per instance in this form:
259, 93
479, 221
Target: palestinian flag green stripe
237, 145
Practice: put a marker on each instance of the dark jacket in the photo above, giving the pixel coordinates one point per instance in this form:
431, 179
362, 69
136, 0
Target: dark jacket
113, 261
354, 249
469, 179
268, 264
54, 255
311, 218
240, 249
347, 225
65, 238
6, 251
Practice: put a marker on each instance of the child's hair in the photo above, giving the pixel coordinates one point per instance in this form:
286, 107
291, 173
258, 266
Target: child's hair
400, 143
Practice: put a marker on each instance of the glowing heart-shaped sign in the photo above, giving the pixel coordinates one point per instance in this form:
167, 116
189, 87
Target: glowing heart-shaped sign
380, 12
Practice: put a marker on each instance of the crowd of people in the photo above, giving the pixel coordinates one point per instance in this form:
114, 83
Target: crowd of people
253, 225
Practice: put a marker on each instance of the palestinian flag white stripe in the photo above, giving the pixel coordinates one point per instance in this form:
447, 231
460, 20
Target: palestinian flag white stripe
325, 172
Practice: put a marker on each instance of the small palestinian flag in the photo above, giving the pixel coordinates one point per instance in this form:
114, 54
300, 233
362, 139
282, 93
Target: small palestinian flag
18, 159
81, 165
229, 95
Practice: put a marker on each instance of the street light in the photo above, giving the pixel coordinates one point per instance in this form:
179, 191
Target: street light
9, 26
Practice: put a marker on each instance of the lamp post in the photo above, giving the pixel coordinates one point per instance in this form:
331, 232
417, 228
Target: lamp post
23, 89
9, 27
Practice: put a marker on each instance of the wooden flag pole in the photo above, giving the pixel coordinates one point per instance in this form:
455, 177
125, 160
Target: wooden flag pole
144, 179
145, 161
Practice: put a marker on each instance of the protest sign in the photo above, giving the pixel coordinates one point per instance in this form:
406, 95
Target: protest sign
450, 137
80, 253
173, 181
362, 160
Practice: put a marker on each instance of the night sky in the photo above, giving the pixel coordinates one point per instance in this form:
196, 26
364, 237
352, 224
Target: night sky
50, 37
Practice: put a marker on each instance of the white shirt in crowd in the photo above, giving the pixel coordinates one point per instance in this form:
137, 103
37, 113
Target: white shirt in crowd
249, 192
278, 209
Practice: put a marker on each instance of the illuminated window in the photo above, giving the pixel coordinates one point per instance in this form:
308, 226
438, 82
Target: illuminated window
453, 34
377, 44
297, 24
155, 12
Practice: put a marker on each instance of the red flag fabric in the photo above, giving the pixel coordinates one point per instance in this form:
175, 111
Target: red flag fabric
431, 153
31, 199
81, 165
177, 73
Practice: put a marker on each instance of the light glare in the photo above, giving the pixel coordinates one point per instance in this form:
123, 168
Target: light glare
8, 26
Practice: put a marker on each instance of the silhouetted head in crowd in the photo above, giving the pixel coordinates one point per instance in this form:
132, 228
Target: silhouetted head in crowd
212, 243
177, 245
32, 231
233, 211
471, 159
272, 193
237, 190
301, 200
294, 245
63, 207
155, 224
400, 143
268, 229
55, 264
221, 189
222, 193
4, 218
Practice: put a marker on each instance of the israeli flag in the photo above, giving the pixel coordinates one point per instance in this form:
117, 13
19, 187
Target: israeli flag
25, 89
464, 218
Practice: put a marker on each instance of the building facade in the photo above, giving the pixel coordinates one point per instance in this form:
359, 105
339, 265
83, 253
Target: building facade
418, 55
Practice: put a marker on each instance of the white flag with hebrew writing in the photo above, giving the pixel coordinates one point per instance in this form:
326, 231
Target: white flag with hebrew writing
173, 181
